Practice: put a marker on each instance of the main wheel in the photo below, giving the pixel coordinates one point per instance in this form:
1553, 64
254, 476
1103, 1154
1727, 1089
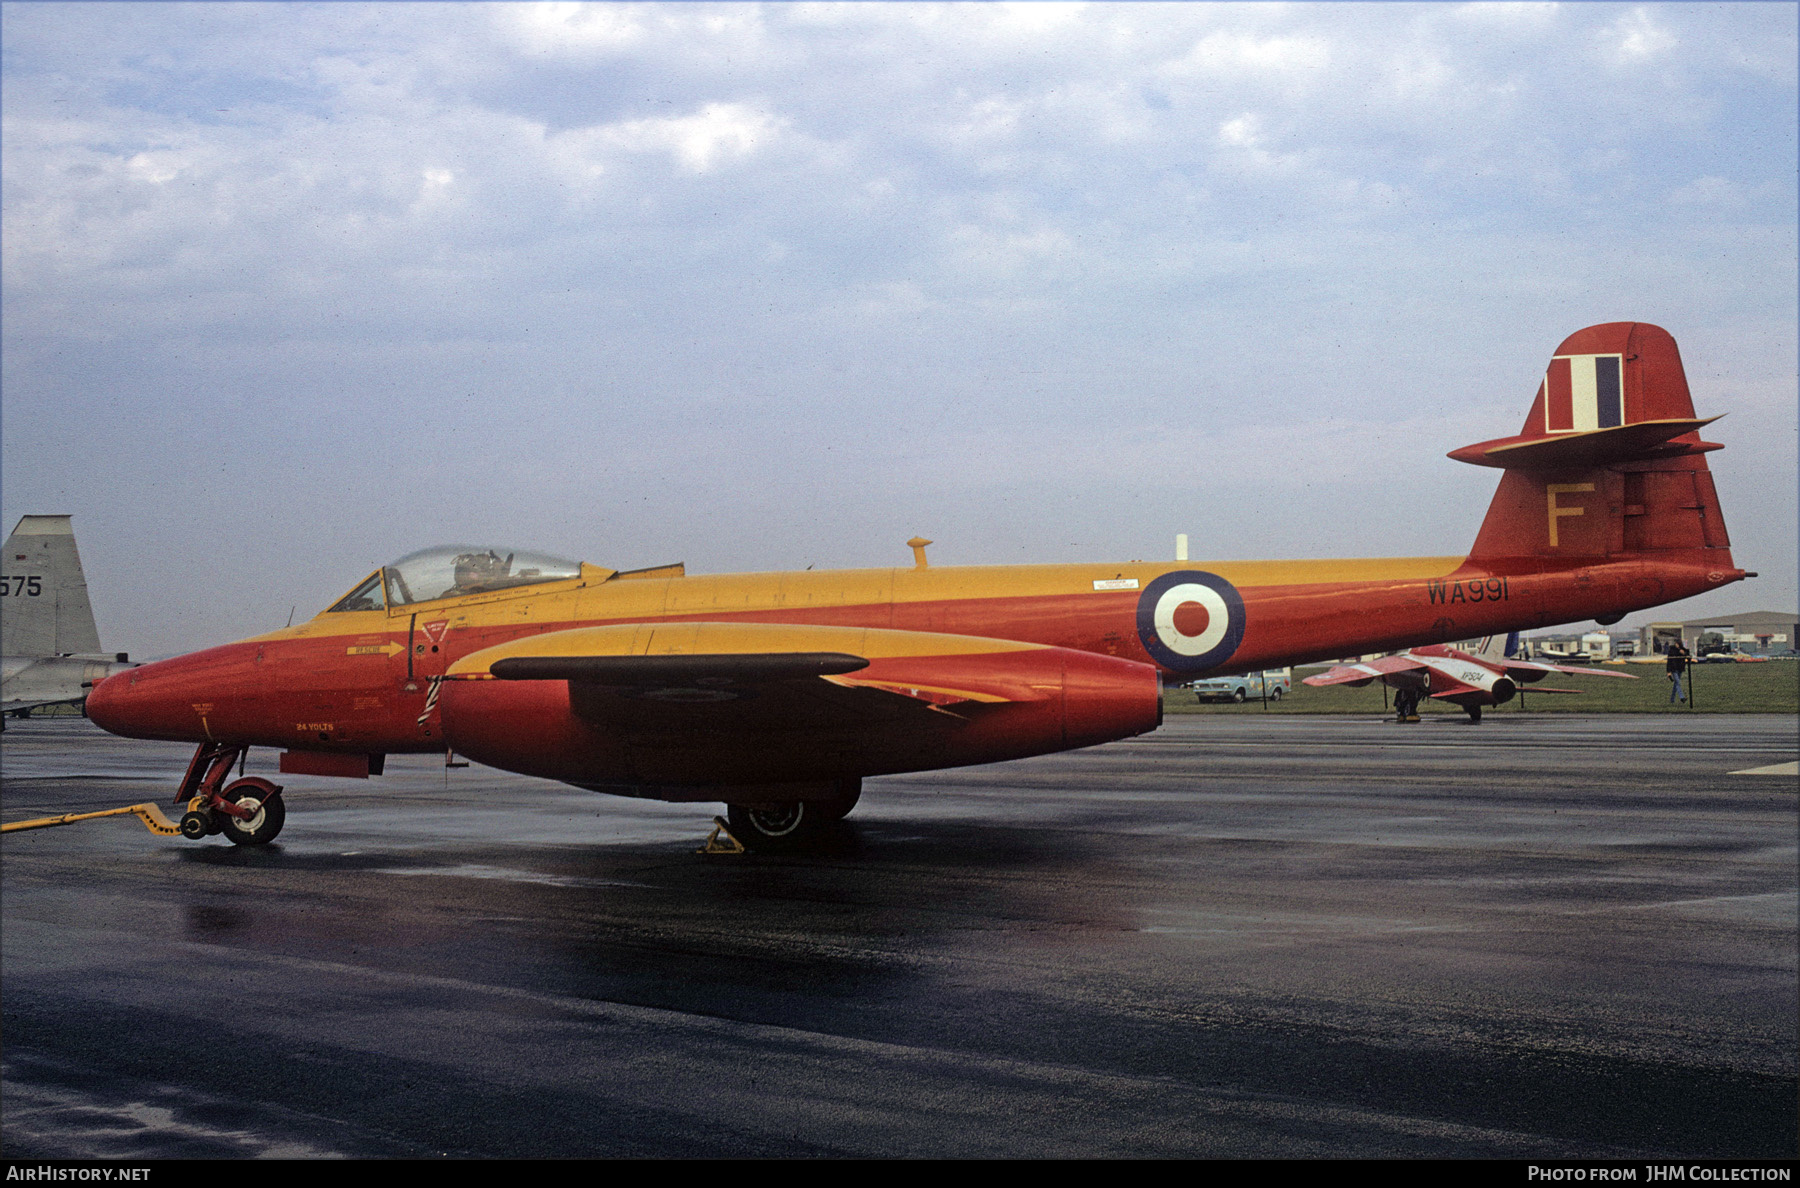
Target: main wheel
267, 813
779, 827
849, 792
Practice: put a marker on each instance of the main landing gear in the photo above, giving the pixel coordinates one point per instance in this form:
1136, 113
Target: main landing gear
793, 825
248, 811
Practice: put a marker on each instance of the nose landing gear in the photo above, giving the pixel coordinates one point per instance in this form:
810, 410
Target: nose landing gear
260, 813
249, 811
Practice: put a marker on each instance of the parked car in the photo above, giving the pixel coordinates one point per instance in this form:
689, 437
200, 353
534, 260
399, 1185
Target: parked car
1249, 687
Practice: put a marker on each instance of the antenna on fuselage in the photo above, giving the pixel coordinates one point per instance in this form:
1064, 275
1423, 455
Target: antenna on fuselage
917, 545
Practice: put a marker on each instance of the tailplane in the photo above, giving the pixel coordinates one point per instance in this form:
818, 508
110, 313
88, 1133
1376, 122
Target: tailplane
1609, 465
45, 595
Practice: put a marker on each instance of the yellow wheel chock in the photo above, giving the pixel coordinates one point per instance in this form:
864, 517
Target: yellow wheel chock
151, 816
720, 841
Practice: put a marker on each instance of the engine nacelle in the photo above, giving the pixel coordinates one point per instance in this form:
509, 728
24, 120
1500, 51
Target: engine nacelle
930, 702
1470, 684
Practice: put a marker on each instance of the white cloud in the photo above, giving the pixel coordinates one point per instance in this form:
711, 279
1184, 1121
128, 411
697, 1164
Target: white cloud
1637, 37
1243, 132
689, 33
155, 168
1008, 253
564, 27
1525, 15
1293, 62
1244, 139
1709, 191
1034, 16
701, 141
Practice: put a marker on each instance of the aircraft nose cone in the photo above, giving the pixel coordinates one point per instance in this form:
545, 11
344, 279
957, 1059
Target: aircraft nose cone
154, 701
117, 706
106, 703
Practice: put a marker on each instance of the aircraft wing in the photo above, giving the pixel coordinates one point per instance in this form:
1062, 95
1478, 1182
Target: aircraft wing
22, 704
765, 691
717, 703
1536, 670
1364, 672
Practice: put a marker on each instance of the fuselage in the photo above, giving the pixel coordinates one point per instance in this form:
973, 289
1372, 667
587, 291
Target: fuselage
363, 680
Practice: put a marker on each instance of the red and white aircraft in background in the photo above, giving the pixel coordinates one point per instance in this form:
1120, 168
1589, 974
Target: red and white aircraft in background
1468, 679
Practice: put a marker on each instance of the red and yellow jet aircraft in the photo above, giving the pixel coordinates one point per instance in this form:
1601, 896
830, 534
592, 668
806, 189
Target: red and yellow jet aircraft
778, 692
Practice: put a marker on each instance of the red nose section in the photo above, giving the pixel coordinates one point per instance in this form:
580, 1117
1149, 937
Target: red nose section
112, 705
187, 699
118, 705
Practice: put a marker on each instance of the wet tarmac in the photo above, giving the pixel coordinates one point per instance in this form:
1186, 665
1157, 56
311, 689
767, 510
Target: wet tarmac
1240, 936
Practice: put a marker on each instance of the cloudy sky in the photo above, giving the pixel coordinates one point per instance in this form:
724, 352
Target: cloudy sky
291, 290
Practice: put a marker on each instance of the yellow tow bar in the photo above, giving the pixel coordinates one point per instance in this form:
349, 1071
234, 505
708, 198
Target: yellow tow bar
151, 816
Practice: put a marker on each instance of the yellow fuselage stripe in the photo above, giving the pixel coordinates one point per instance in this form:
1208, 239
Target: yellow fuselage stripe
731, 595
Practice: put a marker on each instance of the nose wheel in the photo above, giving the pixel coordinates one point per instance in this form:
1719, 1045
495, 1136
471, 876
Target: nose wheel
248, 811
263, 812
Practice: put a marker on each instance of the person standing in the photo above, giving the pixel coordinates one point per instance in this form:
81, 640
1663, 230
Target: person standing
1676, 665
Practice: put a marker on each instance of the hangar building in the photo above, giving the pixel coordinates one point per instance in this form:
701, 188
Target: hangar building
1755, 632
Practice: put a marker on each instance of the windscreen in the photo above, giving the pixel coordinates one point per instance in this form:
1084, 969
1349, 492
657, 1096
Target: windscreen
365, 597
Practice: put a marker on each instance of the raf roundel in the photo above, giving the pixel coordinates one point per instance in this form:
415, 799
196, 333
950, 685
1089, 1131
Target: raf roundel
1190, 621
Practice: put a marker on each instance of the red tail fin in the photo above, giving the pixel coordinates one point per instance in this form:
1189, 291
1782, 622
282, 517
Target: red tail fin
1609, 465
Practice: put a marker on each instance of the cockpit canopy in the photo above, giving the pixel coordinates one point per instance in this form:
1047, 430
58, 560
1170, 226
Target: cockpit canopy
452, 571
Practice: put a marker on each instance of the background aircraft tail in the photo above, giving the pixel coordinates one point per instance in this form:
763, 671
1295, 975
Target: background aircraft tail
1609, 465
1498, 647
45, 596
